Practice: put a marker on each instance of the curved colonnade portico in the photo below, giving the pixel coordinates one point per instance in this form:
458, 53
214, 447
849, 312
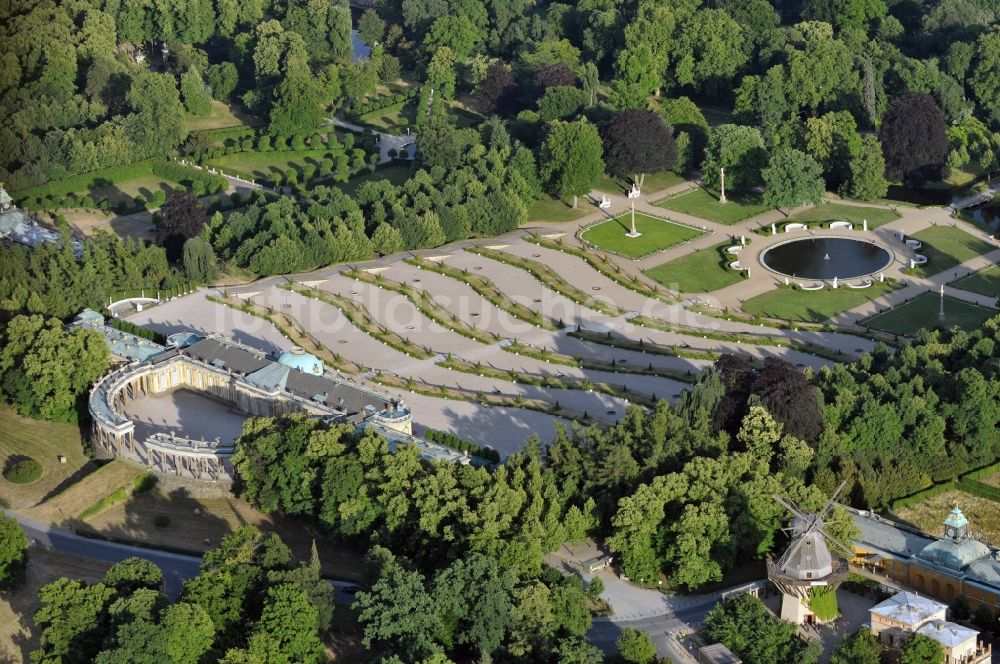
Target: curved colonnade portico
242, 378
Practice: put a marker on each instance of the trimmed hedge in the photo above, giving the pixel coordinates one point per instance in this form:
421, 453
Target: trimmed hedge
24, 471
137, 330
72, 192
384, 101
920, 496
462, 445
141, 484
969, 483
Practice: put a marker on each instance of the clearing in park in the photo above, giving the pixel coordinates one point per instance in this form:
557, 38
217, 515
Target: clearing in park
703, 271
657, 234
946, 247
986, 282
705, 204
922, 312
811, 306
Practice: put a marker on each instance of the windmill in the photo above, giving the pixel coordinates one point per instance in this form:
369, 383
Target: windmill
809, 570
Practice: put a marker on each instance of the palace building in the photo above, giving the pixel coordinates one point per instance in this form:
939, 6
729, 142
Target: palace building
246, 380
940, 567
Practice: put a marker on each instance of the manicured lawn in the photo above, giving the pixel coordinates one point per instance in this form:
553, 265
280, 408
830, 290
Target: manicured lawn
221, 116
986, 282
704, 204
463, 115
923, 312
393, 118
811, 306
946, 247
652, 183
703, 271
548, 209
263, 165
657, 234
87, 491
928, 514
397, 175
127, 190
853, 213
43, 442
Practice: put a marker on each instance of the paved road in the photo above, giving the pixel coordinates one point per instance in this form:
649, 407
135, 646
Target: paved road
403, 144
176, 567
605, 633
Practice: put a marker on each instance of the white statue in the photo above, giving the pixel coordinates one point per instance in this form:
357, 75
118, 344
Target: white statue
605, 202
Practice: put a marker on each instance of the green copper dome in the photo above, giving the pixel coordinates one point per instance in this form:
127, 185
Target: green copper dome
954, 554
297, 358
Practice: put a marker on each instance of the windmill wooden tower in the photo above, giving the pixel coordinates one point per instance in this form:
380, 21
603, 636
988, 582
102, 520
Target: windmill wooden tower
809, 570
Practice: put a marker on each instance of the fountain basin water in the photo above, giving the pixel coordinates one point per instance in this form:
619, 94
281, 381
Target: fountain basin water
826, 258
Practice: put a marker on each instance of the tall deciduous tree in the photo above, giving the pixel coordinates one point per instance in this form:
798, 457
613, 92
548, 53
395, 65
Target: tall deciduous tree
199, 260
398, 615
738, 149
914, 137
862, 647
920, 649
286, 630
496, 93
197, 99
571, 159
985, 76
371, 27
637, 142
635, 647
792, 178
183, 219
636, 77
867, 180
473, 596
13, 553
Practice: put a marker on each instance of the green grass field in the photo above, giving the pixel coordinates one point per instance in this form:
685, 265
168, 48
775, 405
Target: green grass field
811, 306
985, 282
703, 271
946, 247
263, 165
552, 210
397, 175
838, 212
652, 183
393, 118
221, 116
657, 234
928, 514
704, 204
44, 442
923, 312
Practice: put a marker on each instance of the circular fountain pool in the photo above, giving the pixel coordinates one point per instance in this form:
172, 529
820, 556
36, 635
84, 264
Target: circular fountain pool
826, 258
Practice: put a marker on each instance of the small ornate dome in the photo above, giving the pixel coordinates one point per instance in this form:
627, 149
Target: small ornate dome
297, 358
